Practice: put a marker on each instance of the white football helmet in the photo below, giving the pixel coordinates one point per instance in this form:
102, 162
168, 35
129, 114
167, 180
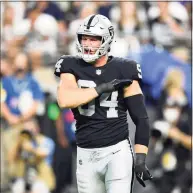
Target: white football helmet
95, 25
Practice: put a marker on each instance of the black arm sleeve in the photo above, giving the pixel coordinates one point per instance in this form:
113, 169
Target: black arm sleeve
136, 107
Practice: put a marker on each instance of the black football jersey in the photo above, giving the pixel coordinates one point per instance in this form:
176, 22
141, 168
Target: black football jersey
103, 121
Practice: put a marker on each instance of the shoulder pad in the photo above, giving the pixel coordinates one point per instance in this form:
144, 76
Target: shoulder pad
130, 69
65, 64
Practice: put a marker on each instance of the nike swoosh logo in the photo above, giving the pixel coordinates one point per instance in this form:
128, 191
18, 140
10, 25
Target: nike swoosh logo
116, 151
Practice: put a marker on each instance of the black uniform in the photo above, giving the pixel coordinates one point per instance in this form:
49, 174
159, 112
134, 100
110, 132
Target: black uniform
103, 121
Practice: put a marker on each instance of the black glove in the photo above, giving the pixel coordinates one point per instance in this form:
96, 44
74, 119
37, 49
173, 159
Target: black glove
113, 85
141, 171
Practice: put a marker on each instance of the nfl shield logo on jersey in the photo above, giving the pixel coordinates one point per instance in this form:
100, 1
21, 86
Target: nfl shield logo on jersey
98, 72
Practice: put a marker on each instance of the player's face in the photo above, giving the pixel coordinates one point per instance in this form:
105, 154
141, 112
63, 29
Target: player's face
90, 44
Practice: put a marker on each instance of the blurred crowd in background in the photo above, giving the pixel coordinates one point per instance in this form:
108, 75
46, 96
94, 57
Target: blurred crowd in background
38, 151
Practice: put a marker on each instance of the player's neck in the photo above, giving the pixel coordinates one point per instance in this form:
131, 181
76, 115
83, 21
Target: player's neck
101, 61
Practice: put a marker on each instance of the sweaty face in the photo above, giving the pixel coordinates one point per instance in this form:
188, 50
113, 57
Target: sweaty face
90, 44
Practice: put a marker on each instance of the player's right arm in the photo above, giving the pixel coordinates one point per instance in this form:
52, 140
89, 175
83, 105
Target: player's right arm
69, 95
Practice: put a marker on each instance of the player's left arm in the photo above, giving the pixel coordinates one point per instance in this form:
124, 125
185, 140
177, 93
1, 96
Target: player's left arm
134, 101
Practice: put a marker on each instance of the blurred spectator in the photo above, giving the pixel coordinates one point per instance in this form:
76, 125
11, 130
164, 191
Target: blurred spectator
172, 132
104, 8
37, 35
24, 96
131, 30
7, 21
41, 43
18, 10
51, 8
182, 54
155, 64
73, 11
128, 27
173, 147
166, 27
129, 23
173, 90
30, 161
23, 99
11, 14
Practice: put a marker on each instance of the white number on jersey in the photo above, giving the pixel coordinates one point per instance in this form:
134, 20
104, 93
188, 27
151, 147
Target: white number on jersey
111, 104
58, 65
139, 71
91, 105
112, 112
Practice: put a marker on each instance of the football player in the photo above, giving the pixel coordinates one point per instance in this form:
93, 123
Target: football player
100, 89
